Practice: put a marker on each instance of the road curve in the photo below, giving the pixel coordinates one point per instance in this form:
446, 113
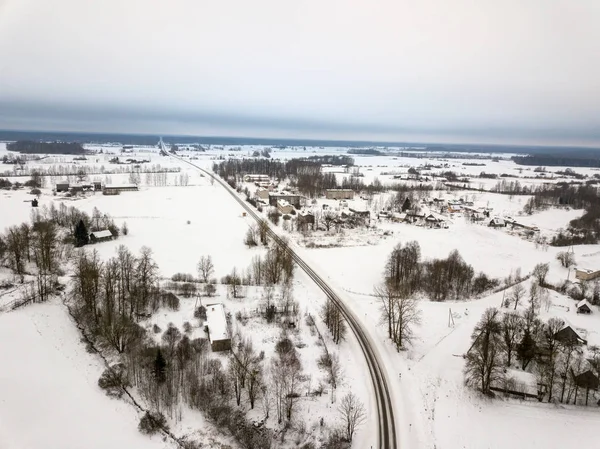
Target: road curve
387, 430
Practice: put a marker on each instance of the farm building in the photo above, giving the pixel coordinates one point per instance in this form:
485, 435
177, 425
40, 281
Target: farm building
256, 178
585, 274
568, 335
100, 236
218, 334
294, 200
583, 306
284, 207
62, 187
115, 190
339, 194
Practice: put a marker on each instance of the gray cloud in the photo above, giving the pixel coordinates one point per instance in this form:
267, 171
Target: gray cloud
507, 71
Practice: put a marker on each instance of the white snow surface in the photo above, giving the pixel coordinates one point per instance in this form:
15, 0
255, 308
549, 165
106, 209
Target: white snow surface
49, 394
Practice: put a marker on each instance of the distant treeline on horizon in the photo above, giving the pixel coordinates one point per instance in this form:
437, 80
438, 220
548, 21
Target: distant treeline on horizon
147, 139
37, 147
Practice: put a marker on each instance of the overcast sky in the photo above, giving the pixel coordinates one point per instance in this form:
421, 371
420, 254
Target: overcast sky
522, 71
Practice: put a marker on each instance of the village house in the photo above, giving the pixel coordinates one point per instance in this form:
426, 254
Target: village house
216, 322
585, 274
414, 217
339, 194
398, 217
101, 236
435, 221
568, 335
294, 200
583, 306
284, 207
256, 178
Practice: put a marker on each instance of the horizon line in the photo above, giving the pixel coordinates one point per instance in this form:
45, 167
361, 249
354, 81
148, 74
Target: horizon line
321, 142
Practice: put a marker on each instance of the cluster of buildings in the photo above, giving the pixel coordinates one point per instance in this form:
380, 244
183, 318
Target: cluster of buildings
95, 186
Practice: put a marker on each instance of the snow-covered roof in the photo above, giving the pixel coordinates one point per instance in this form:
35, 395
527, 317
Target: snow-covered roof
102, 234
217, 323
120, 186
583, 302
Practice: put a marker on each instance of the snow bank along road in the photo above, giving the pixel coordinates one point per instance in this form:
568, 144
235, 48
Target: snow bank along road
387, 430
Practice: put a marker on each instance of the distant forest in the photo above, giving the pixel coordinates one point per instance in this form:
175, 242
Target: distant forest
30, 146
575, 159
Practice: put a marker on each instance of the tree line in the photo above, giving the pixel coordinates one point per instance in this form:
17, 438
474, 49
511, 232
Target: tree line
30, 146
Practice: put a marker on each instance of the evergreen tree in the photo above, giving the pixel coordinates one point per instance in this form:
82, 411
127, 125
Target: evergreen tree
81, 234
160, 368
407, 205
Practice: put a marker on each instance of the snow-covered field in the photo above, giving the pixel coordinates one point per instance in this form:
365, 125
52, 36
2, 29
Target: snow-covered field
49, 395
51, 382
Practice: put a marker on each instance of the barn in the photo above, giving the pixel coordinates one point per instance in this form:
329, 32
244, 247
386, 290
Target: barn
100, 236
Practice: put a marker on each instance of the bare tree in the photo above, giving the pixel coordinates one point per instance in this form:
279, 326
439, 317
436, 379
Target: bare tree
566, 259
333, 319
234, 283
353, 414
551, 353
331, 364
286, 371
206, 268
511, 330
263, 231
540, 271
517, 293
400, 312
15, 250
328, 217
534, 297
483, 364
